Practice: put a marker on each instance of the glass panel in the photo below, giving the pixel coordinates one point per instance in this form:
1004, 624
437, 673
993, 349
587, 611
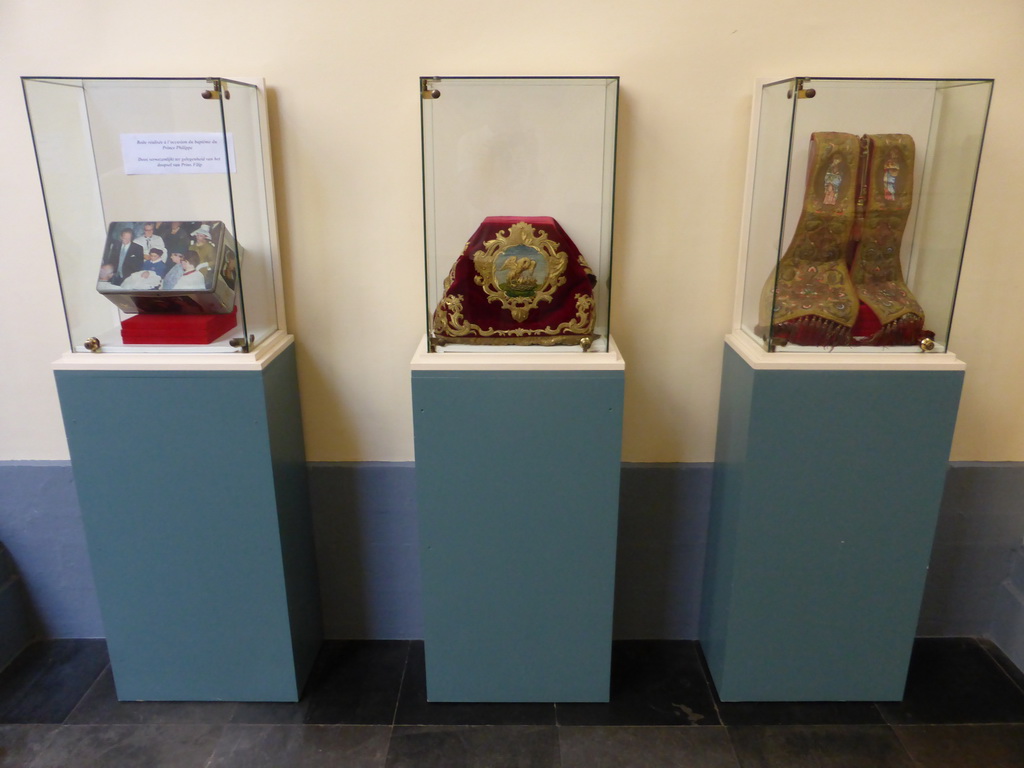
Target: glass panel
767, 211
244, 119
519, 147
947, 195
130, 166
74, 208
903, 155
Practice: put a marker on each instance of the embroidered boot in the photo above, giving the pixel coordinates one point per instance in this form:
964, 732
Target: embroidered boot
809, 298
892, 315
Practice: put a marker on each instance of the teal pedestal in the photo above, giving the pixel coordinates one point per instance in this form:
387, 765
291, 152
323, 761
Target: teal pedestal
192, 485
517, 485
827, 489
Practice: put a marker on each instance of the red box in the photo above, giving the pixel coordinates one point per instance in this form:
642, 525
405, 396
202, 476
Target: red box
176, 329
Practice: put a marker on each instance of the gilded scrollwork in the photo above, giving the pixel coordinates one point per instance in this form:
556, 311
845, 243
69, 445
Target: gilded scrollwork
586, 267
450, 321
448, 318
520, 269
451, 275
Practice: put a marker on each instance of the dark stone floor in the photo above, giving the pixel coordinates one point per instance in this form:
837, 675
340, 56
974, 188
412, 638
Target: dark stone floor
365, 706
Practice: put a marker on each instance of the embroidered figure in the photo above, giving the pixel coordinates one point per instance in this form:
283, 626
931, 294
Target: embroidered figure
891, 171
833, 179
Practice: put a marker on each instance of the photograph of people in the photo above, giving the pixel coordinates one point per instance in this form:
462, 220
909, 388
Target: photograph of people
203, 247
175, 271
143, 280
150, 240
176, 238
125, 256
191, 278
230, 268
156, 262
149, 276
107, 274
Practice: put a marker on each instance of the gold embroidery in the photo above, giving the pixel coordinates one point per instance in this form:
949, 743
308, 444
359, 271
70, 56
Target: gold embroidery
846, 250
876, 269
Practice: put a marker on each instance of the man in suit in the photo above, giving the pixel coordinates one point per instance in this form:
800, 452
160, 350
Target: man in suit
125, 256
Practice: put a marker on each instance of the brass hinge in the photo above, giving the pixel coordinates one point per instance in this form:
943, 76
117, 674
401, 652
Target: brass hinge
216, 89
427, 89
801, 92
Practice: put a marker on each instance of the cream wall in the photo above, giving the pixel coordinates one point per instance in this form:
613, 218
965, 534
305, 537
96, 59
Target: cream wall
345, 133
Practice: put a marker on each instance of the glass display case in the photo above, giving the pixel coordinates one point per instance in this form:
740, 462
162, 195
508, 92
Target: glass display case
518, 187
159, 198
860, 194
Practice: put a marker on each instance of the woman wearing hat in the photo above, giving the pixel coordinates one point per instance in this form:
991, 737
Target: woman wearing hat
204, 247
